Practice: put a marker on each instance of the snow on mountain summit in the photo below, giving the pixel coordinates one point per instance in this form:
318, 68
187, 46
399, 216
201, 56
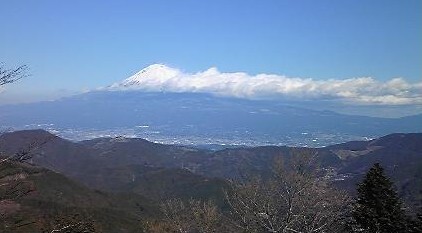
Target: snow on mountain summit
152, 76
362, 90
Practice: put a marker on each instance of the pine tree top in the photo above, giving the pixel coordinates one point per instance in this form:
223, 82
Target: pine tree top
378, 207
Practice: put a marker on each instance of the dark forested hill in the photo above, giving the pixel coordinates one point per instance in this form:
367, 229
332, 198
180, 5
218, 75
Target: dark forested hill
140, 166
52, 199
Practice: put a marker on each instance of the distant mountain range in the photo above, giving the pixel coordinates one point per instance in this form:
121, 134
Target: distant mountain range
127, 164
197, 119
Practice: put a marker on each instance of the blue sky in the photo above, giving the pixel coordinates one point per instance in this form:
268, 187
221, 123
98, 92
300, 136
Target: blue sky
78, 45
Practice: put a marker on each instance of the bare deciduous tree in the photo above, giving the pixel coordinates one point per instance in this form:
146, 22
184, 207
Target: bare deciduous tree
24, 154
293, 200
191, 216
13, 177
12, 186
12, 75
9, 76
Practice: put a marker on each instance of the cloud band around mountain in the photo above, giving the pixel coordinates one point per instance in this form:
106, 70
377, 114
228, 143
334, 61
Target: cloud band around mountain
363, 90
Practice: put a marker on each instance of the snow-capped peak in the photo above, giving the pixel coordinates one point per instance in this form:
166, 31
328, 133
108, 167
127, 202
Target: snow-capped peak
152, 75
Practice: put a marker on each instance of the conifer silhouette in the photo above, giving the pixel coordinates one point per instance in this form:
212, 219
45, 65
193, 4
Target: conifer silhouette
378, 208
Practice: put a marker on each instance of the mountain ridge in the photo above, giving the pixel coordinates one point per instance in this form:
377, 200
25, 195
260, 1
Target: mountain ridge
400, 154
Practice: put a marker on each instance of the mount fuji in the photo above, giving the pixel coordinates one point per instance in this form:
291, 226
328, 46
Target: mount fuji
153, 75
163, 104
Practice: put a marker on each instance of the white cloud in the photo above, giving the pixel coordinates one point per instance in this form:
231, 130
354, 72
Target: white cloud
363, 90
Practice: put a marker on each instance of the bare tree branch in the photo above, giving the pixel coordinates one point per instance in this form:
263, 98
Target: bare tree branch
192, 216
294, 199
12, 75
24, 154
13, 177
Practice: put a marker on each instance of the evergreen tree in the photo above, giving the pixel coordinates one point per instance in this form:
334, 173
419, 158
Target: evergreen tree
378, 208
